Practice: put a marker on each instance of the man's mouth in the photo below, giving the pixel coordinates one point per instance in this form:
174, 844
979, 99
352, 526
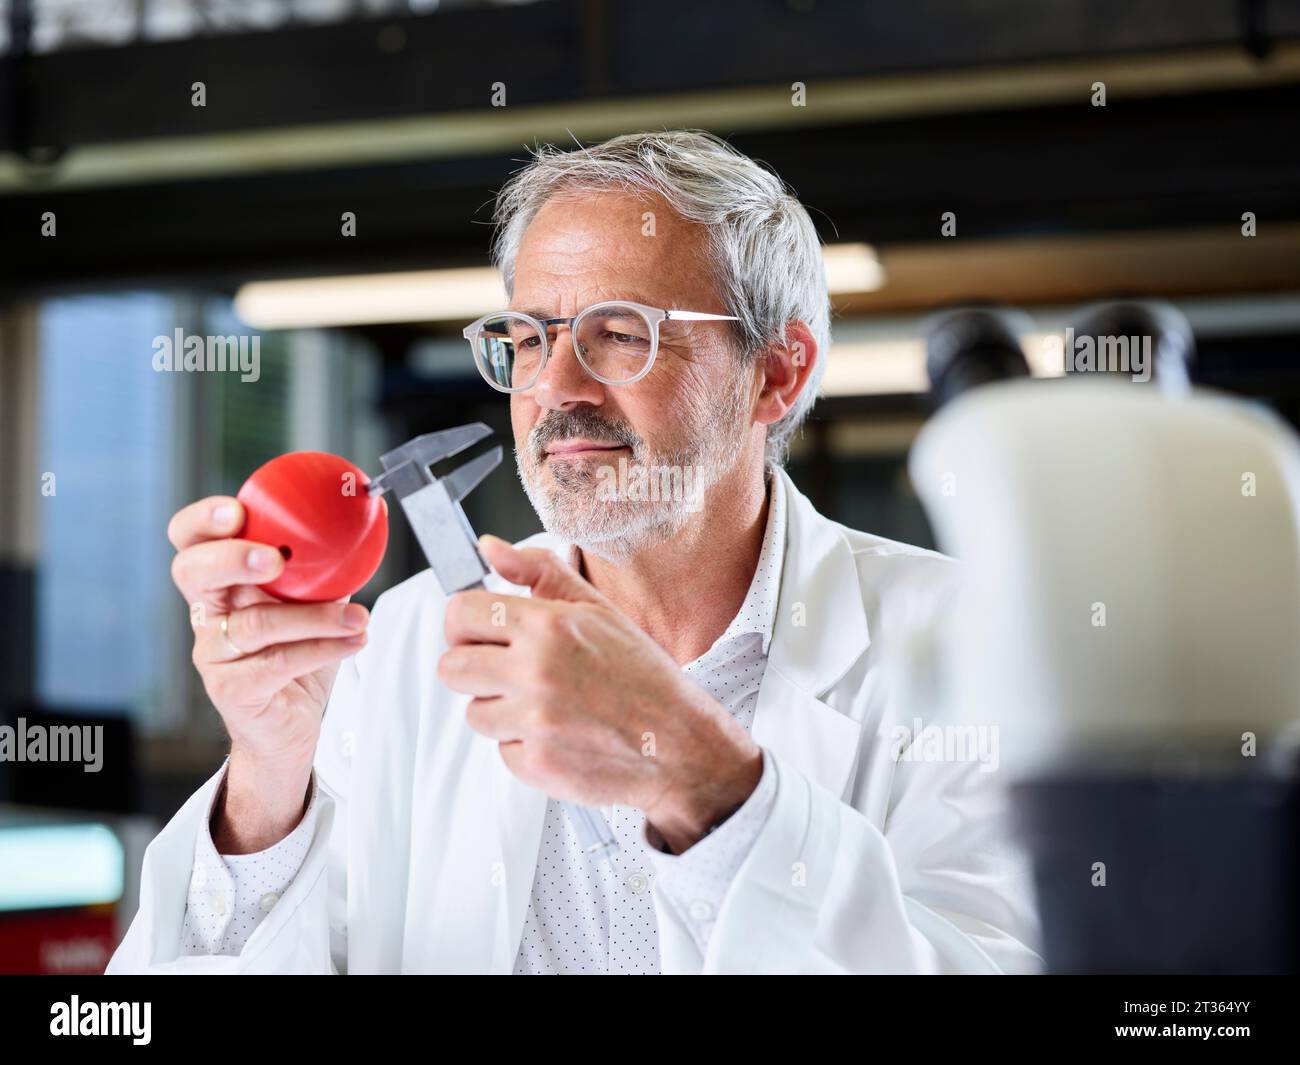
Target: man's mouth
578, 448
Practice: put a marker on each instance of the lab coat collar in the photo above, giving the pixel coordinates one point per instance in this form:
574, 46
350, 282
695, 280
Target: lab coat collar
821, 623
759, 607
820, 632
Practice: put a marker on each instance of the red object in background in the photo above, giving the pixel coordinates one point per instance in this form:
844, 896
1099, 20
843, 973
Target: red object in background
313, 507
60, 941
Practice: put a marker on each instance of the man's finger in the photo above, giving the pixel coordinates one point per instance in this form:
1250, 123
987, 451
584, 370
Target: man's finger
496, 718
255, 628
476, 669
480, 616
208, 519
265, 673
549, 576
215, 565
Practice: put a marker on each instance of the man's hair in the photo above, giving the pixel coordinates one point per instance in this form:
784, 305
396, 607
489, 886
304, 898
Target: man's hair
766, 255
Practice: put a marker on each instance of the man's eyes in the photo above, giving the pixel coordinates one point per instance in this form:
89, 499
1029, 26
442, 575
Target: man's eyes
621, 328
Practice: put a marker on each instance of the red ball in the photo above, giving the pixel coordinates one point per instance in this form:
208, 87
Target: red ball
314, 509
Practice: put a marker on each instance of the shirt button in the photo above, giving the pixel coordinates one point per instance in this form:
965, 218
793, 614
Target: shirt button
267, 901
219, 906
637, 883
347, 744
700, 910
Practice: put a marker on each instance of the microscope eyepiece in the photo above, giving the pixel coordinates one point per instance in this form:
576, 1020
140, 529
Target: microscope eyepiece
969, 347
1142, 340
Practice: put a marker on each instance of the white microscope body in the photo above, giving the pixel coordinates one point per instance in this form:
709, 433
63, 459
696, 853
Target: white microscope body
1130, 623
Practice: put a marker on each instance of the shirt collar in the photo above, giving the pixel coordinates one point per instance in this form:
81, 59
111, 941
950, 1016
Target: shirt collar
757, 614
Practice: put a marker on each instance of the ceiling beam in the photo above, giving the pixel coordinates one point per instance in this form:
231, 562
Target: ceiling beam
1167, 162
565, 51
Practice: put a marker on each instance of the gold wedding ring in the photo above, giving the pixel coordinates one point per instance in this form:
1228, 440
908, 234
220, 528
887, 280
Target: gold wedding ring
225, 634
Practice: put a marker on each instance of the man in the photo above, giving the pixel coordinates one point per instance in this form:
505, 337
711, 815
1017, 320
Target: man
714, 666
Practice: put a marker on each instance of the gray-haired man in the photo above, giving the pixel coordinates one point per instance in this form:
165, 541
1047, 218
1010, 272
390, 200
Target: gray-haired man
689, 646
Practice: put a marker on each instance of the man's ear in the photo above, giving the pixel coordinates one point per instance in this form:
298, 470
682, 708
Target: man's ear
787, 365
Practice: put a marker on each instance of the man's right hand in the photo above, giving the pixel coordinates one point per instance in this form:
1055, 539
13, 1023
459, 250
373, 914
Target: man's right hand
269, 674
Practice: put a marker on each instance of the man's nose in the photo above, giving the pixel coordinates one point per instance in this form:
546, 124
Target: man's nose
563, 381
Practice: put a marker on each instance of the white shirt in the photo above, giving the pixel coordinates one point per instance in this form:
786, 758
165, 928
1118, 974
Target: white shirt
585, 915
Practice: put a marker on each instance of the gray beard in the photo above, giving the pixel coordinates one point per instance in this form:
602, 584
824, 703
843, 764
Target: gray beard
576, 506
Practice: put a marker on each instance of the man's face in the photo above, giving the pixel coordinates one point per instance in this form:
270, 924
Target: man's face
578, 439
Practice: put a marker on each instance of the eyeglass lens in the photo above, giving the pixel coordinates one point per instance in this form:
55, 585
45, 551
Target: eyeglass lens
614, 341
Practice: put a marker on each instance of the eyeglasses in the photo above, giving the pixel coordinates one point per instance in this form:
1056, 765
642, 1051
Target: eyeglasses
616, 342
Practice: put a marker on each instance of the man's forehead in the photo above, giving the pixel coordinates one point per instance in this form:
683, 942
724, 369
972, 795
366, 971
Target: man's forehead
610, 226
608, 245
614, 205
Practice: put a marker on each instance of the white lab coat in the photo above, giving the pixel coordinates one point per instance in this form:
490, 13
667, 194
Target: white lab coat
426, 846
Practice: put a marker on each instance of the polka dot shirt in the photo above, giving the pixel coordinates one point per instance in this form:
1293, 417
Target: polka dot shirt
585, 915
230, 894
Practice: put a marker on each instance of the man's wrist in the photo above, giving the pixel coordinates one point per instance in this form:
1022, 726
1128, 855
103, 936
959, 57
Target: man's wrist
257, 807
683, 819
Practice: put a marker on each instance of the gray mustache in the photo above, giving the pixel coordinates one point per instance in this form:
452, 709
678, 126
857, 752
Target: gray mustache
564, 425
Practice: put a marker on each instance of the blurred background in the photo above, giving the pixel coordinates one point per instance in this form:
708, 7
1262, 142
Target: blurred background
318, 174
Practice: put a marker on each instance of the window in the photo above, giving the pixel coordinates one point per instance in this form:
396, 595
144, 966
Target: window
108, 465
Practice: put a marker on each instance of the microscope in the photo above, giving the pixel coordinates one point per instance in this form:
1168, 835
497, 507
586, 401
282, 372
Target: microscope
1130, 622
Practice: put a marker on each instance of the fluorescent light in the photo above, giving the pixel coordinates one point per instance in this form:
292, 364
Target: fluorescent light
897, 366
371, 299
852, 268
53, 866
442, 295
879, 367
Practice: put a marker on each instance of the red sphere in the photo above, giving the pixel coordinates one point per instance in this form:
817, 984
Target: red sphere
314, 509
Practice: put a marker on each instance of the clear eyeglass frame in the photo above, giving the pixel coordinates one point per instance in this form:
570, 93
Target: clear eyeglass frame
654, 317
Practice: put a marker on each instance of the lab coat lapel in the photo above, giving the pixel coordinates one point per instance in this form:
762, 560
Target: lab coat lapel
520, 817
819, 632
171, 850
805, 732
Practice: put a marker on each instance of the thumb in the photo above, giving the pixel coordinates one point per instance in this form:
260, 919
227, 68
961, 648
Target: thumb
539, 569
